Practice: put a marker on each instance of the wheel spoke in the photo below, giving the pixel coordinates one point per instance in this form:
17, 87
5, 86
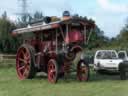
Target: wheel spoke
27, 55
22, 52
52, 75
53, 67
28, 61
21, 68
23, 60
27, 67
25, 73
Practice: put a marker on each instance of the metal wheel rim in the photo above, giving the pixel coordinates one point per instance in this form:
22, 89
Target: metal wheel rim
82, 72
23, 61
52, 72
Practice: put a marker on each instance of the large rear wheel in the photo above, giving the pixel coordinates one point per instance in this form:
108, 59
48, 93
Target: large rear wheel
25, 61
82, 71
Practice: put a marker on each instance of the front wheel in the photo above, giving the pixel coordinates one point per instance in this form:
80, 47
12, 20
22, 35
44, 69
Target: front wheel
52, 71
82, 71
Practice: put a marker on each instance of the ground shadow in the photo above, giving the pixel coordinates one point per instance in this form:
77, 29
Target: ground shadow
94, 77
104, 76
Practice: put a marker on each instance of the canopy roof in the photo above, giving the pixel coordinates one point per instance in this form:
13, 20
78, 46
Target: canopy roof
53, 25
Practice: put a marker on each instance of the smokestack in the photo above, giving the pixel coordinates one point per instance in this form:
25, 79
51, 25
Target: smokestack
66, 15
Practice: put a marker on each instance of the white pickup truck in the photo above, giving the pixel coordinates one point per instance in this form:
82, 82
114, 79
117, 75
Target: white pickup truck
110, 60
107, 60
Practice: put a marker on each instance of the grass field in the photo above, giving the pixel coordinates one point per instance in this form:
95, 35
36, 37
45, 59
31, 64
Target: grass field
97, 86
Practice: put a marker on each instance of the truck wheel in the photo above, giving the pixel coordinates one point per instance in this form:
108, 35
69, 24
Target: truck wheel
122, 74
25, 61
82, 71
52, 71
122, 71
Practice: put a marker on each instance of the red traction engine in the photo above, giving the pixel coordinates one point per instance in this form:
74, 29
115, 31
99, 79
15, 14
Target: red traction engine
52, 48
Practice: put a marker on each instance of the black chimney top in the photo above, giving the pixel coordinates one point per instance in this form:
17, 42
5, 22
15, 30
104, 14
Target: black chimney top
66, 13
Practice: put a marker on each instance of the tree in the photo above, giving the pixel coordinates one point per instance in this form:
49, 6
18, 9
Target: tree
38, 15
6, 40
120, 41
97, 38
28, 18
4, 15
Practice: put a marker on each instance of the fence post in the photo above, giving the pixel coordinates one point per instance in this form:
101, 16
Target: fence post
1, 57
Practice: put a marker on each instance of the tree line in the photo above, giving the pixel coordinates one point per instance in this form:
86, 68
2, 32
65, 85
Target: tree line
8, 43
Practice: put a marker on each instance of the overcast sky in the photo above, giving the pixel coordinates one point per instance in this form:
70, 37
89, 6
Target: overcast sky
110, 15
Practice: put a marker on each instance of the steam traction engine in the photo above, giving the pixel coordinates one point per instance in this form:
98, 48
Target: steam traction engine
52, 48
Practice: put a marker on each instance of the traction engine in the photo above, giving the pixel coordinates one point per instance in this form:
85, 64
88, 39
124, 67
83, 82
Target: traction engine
53, 48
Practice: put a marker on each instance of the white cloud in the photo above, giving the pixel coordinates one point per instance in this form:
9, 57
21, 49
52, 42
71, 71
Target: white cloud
107, 5
13, 17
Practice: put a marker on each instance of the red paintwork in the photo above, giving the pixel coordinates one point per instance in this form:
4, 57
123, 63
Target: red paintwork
13, 34
55, 25
74, 36
82, 72
76, 48
52, 71
23, 63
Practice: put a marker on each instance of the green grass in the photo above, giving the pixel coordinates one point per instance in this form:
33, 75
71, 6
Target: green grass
97, 86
